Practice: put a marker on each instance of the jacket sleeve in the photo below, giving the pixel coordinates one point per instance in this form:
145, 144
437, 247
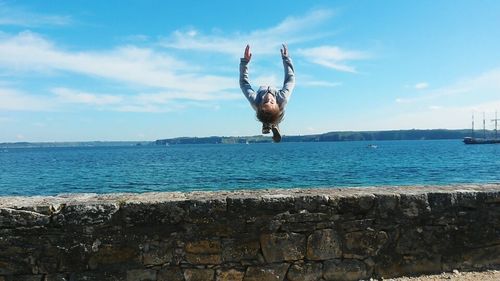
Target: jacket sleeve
245, 86
289, 83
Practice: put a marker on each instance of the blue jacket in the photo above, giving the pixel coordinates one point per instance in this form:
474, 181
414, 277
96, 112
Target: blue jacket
282, 96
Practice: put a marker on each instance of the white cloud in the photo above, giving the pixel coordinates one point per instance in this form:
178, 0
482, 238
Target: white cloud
317, 83
161, 82
421, 85
450, 106
30, 52
452, 117
71, 96
165, 97
14, 100
18, 16
265, 41
142, 102
137, 38
333, 57
487, 84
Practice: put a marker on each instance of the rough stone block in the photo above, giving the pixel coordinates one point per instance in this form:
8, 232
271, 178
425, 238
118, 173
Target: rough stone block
86, 214
411, 241
305, 272
170, 274
410, 264
56, 277
229, 275
300, 222
204, 247
141, 275
482, 257
204, 259
356, 225
157, 253
235, 250
363, 244
13, 260
439, 202
147, 214
348, 270
112, 256
25, 278
414, 205
356, 204
10, 218
313, 204
199, 274
323, 245
283, 246
468, 199
99, 276
272, 272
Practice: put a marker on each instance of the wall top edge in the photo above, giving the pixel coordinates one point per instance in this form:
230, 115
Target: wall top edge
264, 194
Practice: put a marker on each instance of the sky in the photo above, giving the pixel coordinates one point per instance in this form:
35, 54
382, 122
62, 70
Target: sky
147, 70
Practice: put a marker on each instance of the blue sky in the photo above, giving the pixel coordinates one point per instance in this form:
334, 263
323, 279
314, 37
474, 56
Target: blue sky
144, 70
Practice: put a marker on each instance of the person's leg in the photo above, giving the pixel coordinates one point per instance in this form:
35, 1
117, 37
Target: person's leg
276, 133
266, 128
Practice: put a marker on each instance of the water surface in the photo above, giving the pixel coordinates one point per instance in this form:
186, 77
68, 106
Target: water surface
50, 171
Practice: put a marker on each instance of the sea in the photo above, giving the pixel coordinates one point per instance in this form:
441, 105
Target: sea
214, 167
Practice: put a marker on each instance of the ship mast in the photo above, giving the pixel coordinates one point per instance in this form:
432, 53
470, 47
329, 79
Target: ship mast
472, 124
484, 126
496, 122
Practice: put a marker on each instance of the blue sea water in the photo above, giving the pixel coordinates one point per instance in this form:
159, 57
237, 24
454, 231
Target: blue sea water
50, 171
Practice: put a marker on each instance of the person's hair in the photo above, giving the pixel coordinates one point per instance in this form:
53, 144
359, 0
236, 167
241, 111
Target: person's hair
273, 116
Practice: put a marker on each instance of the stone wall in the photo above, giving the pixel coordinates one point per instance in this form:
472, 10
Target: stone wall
317, 234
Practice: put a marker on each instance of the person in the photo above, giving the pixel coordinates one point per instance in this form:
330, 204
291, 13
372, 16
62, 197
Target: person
268, 102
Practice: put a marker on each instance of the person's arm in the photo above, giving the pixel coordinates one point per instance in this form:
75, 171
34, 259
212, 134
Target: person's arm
289, 82
245, 86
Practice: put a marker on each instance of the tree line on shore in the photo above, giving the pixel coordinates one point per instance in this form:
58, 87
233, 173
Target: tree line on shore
434, 134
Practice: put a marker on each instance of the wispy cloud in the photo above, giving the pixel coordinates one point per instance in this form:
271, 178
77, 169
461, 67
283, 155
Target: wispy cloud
452, 117
19, 16
71, 96
28, 51
487, 84
317, 83
449, 106
159, 79
15, 100
421, 85
333, 57
435, 107
264, 41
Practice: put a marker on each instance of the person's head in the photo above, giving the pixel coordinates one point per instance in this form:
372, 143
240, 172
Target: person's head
269, 111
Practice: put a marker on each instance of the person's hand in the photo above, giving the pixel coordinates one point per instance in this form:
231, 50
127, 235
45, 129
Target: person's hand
248, 55
284, 51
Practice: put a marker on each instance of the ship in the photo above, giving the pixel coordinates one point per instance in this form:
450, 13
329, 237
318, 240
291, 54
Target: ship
484, 139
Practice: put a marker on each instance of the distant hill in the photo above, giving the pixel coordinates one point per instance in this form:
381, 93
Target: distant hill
72, 144
435, 134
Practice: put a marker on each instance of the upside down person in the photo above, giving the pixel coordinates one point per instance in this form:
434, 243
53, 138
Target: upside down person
268, 102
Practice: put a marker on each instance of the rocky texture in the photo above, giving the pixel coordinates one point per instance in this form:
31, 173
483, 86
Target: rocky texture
294, 235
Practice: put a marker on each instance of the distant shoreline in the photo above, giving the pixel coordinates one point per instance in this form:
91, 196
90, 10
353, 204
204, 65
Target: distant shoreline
429, 134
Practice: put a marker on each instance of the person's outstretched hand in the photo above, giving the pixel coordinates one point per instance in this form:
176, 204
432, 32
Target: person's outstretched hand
248, 55
284, 51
